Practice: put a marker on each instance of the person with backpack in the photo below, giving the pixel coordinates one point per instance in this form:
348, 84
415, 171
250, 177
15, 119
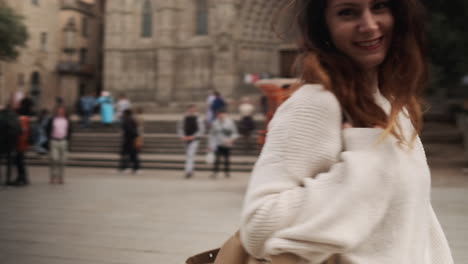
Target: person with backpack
9, 129
87, 104
23, 140
189, 130
246, 123
106, 107
217, 104
222, 135
129, 150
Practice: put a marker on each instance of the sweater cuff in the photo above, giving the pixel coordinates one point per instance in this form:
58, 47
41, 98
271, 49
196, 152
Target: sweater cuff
361, 138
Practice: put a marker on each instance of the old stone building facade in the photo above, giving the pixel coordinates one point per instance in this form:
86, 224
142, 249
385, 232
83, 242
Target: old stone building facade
63, 54
33, 72
161, 51
81, 36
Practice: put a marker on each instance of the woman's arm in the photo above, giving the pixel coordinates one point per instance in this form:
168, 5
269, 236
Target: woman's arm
284, 198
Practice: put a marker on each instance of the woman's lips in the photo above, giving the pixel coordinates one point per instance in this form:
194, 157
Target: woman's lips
369, 45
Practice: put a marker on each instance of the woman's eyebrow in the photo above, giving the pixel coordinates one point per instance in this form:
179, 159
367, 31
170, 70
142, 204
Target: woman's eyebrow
346, 4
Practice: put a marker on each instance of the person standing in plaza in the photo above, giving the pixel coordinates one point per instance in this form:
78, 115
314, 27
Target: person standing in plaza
129, 150
209, 116
343, 175
59, 132
140, 120
217, 104
246, 123
9, 130
106, 106
223, 133
41, 140
189, 130
87, 104
22, 142
122, 104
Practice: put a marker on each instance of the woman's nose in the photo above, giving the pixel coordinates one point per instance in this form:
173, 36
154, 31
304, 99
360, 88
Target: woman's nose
368, 22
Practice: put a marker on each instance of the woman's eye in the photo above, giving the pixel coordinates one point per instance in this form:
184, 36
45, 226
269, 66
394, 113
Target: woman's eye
346, 12
381, 5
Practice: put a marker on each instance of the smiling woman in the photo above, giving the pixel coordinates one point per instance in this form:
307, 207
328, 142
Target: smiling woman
362, 31
343, 171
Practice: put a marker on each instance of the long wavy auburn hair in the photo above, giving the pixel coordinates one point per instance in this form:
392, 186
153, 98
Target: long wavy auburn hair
402, 75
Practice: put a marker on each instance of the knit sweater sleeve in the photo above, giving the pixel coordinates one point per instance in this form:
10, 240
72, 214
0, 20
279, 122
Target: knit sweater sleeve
304, 192
438, 249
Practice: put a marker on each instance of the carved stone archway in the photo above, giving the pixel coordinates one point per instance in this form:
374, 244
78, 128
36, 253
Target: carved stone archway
258, 43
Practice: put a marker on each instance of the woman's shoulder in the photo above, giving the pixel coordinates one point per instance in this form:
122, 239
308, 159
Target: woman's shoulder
314, 97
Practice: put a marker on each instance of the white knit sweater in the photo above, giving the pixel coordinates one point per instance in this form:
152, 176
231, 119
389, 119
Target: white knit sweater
318, 190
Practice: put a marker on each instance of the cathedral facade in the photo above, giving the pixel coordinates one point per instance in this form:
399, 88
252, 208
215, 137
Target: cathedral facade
163, 51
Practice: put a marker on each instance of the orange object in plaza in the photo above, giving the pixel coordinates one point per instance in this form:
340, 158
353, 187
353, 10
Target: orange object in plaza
276, 92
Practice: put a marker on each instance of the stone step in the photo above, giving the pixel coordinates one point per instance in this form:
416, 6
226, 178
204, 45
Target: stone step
159, 162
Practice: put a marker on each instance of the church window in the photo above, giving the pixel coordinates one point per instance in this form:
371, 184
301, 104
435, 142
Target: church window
147, 20
43, 41
84, 26
202, 17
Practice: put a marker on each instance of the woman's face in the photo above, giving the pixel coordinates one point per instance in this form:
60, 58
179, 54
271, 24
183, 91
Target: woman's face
361, 29
61, 112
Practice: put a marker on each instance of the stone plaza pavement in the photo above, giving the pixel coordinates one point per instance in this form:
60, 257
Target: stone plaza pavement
102, 217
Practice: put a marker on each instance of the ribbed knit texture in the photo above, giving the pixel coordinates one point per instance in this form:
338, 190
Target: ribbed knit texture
318, 190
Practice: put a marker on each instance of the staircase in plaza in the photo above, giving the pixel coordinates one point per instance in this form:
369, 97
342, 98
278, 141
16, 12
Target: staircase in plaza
99, 147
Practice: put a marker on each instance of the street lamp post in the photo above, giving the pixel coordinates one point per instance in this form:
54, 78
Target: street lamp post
68, 67
70, 42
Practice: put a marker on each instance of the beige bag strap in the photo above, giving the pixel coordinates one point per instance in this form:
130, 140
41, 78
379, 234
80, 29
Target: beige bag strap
286, 258
232, 252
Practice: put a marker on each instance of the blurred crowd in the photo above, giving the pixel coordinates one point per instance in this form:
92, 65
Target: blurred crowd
48, 133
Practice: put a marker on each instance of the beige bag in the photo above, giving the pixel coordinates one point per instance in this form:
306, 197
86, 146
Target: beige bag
232, 252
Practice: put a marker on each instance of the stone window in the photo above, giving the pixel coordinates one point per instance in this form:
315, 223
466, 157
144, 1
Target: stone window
84, 26
20, 79
83, 55
43, 41
202, 17
147, 20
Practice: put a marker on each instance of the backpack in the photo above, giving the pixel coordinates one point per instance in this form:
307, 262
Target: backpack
190, 125
9, 128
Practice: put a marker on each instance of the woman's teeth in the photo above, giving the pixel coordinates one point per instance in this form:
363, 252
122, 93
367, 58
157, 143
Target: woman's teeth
368, 43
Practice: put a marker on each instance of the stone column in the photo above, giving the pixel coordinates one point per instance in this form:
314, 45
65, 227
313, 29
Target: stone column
166, 35
225, 76
68, 89
113, 43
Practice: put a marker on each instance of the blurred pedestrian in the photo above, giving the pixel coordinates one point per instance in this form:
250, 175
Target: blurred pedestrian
210, 115
123, 103
217, 104
129, 149
9, 130
223, 133
59, 101
23, 140
106, 106
59, 132
41, 140
246, 124
189, 130
140, 120
87, 104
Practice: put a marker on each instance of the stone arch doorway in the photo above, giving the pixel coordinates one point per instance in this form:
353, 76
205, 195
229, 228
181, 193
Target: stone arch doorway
35, 87
262, 50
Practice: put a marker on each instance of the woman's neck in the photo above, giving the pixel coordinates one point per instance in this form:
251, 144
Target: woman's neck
373, 79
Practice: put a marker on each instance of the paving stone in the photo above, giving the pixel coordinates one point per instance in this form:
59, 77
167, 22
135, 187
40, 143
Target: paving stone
102, 217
